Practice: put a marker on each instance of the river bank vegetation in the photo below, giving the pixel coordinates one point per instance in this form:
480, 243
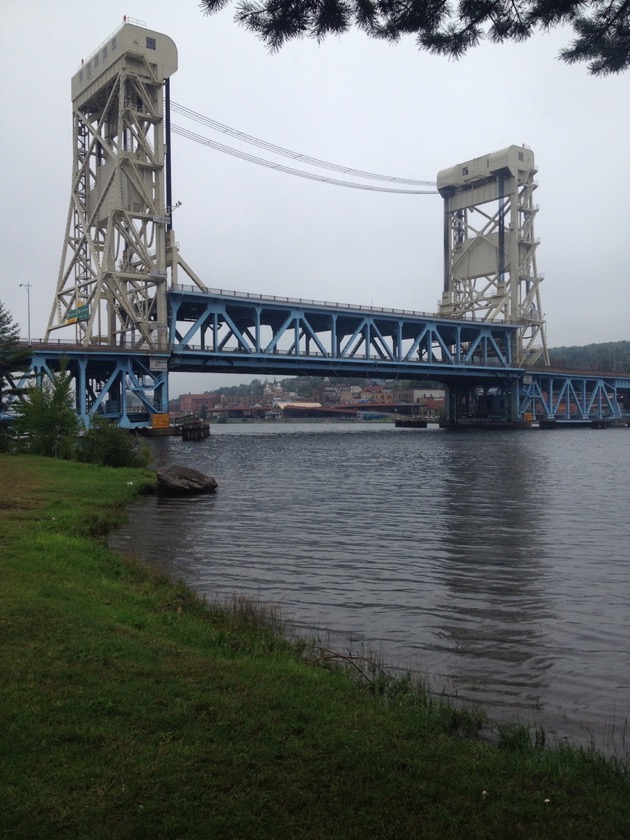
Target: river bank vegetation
129, 708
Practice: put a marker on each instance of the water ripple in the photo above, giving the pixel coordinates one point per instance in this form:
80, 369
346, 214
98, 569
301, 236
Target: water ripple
496, 563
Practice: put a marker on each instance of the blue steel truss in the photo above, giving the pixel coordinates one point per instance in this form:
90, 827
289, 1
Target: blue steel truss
125, 387
232, 332
242, 333
575, 397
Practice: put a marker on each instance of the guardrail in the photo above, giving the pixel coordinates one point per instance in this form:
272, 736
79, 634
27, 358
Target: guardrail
64, 344
252, 296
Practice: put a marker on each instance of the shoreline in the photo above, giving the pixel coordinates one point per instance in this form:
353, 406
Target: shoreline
589, 725
134, 708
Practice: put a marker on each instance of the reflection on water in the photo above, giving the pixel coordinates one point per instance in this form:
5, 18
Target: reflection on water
493, 600
494, 562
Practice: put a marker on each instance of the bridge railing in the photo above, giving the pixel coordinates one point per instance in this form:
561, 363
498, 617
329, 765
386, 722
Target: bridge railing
255, 296
74, 346
582, 373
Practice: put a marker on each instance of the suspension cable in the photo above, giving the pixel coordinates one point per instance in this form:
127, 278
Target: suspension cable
205, 141
279, 150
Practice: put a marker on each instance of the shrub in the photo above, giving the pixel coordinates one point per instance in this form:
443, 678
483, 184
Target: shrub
107, 444
46, 422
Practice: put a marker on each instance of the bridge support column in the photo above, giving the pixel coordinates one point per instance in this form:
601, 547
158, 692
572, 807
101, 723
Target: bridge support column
118, 247
81, 388
482, 406
490, 269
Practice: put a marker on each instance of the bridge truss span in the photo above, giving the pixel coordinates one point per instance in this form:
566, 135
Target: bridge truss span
125, 387
572, 398
231, 331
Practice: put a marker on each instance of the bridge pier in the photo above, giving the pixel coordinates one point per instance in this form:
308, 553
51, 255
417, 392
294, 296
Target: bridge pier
475, 405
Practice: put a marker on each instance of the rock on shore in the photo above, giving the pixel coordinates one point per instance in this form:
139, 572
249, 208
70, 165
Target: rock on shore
180, 481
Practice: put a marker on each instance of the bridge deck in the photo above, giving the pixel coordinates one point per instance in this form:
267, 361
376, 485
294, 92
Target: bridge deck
238, 332
233, 332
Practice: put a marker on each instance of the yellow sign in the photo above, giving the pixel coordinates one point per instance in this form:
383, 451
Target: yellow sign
160, 421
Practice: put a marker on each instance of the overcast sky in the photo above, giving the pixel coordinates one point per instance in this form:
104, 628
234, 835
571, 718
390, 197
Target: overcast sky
383, 108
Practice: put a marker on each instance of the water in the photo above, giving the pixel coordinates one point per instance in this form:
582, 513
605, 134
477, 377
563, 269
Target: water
496, 563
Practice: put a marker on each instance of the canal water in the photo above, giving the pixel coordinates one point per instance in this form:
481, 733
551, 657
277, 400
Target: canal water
496, 564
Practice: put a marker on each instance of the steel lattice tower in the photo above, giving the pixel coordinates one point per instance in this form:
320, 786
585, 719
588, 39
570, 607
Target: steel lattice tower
490, 248
118, 243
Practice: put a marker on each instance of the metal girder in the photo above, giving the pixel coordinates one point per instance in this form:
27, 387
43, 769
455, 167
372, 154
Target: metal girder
127, 388
112, 282
490, 248
574, 398
468, 359
221, 329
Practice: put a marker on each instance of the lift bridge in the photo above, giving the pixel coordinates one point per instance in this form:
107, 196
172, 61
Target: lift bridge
128, 309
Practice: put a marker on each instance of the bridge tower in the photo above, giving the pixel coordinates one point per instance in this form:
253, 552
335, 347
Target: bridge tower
490, 248
119, 243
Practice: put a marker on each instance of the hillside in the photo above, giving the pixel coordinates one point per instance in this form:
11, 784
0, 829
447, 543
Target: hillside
611, 355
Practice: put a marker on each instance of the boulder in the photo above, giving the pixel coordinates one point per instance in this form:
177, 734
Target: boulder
180, 481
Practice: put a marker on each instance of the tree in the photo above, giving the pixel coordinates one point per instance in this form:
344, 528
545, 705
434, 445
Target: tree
608, 356
47, 423
601, 27
12, 359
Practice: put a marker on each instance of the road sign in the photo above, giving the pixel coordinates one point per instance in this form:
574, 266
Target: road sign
81, 313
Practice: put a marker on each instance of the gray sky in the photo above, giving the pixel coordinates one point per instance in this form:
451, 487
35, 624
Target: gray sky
353, 101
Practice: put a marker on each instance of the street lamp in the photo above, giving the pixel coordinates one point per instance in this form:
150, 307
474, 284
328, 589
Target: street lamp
27, 286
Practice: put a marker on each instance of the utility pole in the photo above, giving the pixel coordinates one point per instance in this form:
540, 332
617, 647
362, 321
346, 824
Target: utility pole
27, 286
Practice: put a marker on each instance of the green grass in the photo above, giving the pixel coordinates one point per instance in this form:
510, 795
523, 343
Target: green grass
131, 709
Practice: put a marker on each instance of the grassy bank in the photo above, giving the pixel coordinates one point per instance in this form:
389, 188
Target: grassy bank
129, 709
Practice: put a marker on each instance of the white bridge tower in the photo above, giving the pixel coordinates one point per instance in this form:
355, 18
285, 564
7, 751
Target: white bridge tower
119, 244
490, 248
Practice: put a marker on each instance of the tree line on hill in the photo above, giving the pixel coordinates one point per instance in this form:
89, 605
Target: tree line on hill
608, 356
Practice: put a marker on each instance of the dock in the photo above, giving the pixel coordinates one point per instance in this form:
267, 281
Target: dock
197, 430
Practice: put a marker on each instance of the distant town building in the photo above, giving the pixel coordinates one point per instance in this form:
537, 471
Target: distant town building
193, 403
297, 408
278, 401
419, 395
